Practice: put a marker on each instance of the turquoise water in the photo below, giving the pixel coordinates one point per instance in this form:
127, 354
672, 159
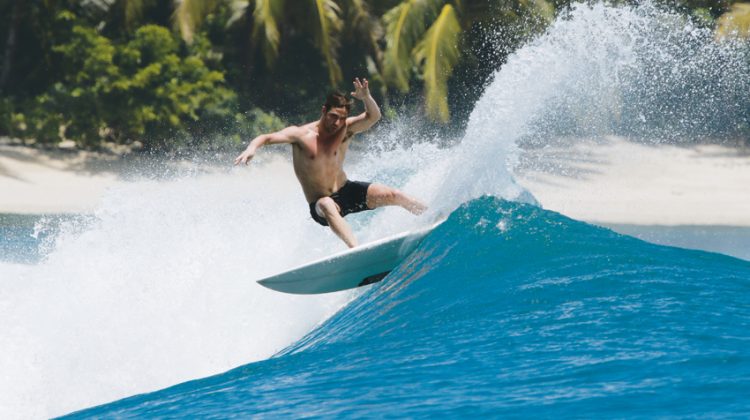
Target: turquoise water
507, 310
20, 242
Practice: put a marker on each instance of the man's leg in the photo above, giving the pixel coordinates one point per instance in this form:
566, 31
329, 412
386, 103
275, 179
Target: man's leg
379, 195
328, 209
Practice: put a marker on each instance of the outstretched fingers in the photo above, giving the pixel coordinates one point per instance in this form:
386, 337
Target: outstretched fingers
360, 87
357, 86
243, 158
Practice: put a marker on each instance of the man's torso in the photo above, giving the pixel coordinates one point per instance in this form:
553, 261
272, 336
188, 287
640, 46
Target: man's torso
319, 163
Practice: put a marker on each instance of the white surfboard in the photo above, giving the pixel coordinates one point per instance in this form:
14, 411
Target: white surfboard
360, 266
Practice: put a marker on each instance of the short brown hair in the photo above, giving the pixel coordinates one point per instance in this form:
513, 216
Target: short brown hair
337, 100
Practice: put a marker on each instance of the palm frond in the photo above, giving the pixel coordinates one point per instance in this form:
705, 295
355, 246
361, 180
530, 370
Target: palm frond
189, 14
327, 28
735, 23
362, 26
132, 11
266, 16
437, 53
239, 10
404, 24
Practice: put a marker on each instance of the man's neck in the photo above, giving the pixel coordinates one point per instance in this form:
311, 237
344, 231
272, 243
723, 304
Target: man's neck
326, 135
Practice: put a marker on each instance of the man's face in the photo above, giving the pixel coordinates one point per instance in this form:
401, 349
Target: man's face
334, 119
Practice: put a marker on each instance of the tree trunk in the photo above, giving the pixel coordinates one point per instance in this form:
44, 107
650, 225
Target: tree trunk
10, 44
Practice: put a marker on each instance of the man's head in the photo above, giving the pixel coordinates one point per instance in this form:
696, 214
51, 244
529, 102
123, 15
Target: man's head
335, 110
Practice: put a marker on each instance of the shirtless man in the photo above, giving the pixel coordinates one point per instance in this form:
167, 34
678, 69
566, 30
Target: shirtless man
318, 150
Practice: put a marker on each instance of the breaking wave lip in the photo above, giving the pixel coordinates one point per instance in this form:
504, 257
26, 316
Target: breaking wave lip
153, 289
507, 306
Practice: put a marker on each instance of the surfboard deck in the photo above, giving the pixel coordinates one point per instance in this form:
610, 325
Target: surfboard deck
359, 266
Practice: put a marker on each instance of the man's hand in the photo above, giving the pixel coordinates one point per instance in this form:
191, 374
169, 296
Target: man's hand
361, 89
245, 156
371, 115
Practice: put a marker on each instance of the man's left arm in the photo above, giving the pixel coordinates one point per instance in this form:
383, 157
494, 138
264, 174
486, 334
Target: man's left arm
371, 115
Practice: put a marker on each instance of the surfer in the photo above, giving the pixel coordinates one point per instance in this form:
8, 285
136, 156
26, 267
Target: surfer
318, 151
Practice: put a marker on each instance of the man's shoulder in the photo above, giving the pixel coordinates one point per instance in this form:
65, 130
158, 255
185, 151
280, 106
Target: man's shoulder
302, 130
294, 131
303, 134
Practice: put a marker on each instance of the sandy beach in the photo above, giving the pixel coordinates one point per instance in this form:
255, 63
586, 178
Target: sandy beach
36, 182
610, 181
614, 181
54, 181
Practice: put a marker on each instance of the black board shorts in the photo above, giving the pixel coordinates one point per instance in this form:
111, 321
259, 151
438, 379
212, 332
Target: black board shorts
351, 198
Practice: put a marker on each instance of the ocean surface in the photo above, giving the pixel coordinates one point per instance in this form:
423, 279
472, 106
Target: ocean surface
147, 306
507, 310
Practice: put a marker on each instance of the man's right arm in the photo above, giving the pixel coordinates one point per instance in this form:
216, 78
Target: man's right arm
288, 135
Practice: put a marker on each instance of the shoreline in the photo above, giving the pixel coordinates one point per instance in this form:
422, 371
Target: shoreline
69, 181
37, 181
607, 182
614, 181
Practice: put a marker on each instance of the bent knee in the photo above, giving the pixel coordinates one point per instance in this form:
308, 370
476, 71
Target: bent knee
326, 206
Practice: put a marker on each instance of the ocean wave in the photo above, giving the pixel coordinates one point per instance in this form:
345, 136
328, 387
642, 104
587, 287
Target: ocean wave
508, 307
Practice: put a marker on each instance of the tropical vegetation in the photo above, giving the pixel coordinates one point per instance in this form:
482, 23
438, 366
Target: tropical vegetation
169, 74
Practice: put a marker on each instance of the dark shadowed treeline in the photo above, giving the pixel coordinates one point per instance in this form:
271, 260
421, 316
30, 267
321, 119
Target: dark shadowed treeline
172, 74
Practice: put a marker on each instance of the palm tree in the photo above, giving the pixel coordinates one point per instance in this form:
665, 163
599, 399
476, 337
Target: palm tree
189, 14
424, 37
268, 18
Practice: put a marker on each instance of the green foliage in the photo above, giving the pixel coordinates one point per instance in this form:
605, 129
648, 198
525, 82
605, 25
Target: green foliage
144, 90
437, 54
424, 40
328, 27
207, 73
266, 15
405, 24
163, 94
44, 122
248, 125
189, 15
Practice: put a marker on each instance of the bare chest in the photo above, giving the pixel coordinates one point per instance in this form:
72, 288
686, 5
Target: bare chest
313, 153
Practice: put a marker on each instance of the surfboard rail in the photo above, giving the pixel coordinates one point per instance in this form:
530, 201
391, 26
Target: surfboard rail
360, 266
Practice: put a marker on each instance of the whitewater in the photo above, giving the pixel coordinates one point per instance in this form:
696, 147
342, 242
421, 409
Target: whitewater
505, 307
